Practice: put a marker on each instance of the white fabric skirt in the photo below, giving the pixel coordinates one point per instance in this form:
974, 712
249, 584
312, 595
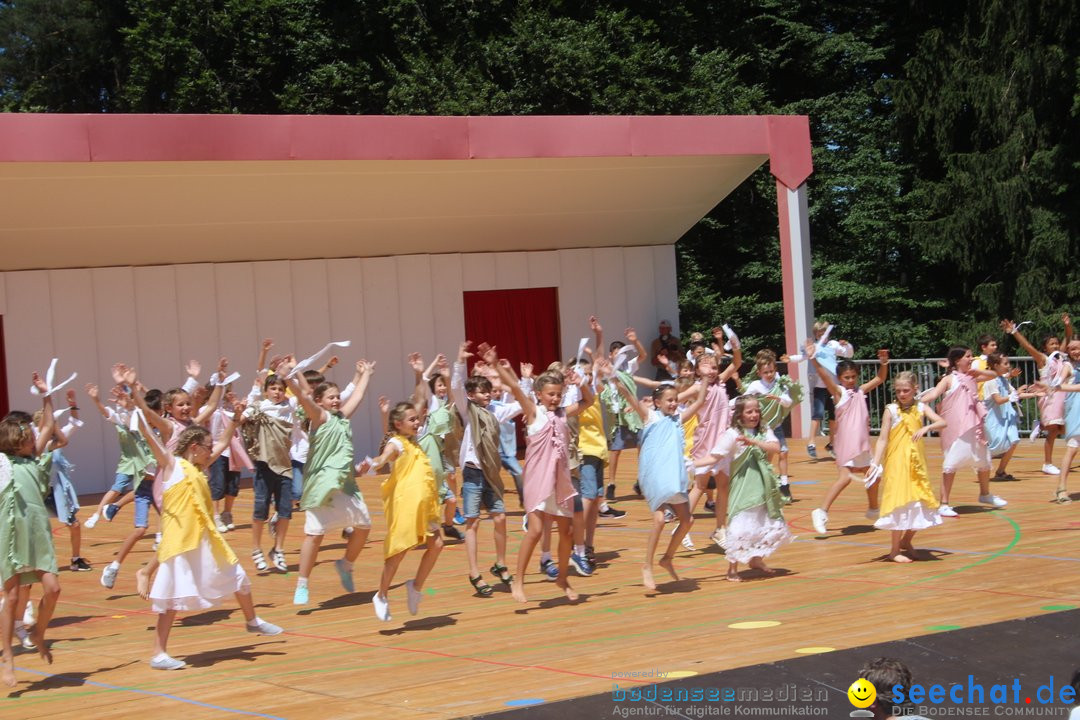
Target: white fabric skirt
966, 451
913, 516
552, 507
195, 581
752, 533
342, 512
862, 460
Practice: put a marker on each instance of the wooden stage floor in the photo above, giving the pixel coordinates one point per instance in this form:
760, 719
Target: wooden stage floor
465, 655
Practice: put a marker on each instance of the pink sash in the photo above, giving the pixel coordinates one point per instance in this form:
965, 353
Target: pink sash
962, 410
547, 468
713, 419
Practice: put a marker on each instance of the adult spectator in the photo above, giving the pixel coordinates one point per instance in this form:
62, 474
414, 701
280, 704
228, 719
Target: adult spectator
666, 342
884, 673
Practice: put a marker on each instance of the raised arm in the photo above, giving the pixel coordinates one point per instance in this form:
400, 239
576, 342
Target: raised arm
164, 428
162, 457
316, 415
264, 350
826, 377
226, 436
883, 437
598, 335
879, 379
364, 371
736, 360
631, 399
937, 391
509, 380
1010, 327
1067, 321
632, 336
692, 409
214, 401
585, 387
95, 396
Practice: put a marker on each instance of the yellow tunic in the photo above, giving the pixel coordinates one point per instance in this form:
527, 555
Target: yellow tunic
689, 426
410, 499
186, 514
904, 479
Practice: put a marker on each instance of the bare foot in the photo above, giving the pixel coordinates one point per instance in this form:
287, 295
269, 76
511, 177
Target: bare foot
42, 647
759, 564
668, 564
517, 589
647, 578
899, 558
565, 585
733, 576
142, 583
7, 675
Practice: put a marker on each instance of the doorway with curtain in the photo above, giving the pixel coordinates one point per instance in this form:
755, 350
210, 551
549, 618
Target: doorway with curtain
522, 324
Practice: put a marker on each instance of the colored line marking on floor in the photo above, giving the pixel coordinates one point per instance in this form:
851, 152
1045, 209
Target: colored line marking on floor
525, 702
814, 650
754, 624
152, 693
943, 628
1058, 607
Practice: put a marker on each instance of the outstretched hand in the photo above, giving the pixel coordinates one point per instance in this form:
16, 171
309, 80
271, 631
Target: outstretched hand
193, 368
384, 404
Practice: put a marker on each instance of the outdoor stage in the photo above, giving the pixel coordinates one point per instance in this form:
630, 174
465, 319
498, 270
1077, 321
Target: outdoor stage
464, 655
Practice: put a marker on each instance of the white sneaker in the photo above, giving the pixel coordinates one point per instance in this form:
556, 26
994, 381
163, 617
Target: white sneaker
92, 521
946, 511
23, 635
688, 543
719, 536
263, 628
221, 526
1050, 469
382, 607
29, 616
157, 541
872, 514
819, 519
108, 576
993, 500
415, 596
164, 662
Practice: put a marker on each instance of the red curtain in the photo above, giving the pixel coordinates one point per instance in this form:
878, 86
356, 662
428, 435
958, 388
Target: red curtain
523, 325
3, 373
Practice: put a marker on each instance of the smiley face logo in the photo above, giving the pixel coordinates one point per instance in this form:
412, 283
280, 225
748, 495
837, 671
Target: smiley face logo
862, 693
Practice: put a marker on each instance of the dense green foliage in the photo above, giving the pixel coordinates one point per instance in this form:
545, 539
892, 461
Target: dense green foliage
943, 158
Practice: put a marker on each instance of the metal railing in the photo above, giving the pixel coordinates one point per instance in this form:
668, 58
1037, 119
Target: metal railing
929, 371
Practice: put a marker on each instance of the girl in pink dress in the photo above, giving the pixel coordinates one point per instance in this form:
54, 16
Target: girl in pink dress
714, 417
1051, 364
963, 441
851, 444
549, 494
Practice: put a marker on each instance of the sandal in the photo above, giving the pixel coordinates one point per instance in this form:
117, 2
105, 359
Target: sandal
503, 573
481, 587
1061, 497
1002, 476
259, 559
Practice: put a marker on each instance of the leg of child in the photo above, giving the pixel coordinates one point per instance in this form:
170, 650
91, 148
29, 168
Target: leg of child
472, 527
50, 593
499, 520
128, 498
896, 552
161, 635
592, 517
682, 514
733, 570
983, 476
7, 630
650, 549
129, 542
309, 552
389, 569
836, 488
106, 500
1052, 432
947, 477
143, 576
566, 539
357, 540
427, 560
1003, 463
723, 486
528, 544
871, 492
1063, 478
75, 532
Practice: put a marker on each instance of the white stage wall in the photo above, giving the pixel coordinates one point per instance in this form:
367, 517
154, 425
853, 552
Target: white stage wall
156, 318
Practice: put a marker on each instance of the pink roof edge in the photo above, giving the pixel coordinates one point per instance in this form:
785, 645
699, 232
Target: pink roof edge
30, 137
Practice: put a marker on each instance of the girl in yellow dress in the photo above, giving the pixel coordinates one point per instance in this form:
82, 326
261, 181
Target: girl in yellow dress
908, 503
411, 505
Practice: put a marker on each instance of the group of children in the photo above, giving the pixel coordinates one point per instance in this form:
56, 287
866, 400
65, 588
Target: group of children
182, 451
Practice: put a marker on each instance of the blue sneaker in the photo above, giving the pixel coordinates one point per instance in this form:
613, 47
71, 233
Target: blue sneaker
549, 568
581, 564
345, 575
459, 519
110, 511
300, 597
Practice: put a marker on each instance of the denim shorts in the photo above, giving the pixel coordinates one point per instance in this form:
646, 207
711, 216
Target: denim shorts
144, 499
271, 486
622, 438
781, 438
821, 404
223, 481
297, 480
476, 493
123, 484
592, 477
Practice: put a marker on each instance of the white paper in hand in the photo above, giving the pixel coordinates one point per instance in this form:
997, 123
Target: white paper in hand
308, 362
872, 475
